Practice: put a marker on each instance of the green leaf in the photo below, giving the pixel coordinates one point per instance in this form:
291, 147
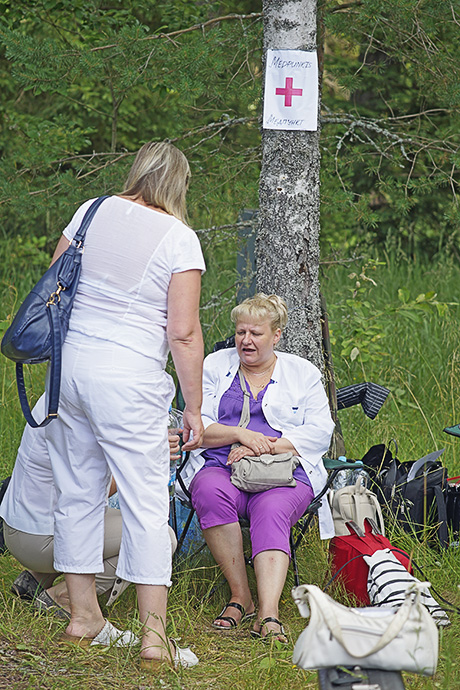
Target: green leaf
354, 354
403, 295
267, 662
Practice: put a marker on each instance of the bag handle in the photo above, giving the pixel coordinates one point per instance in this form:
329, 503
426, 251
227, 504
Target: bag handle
327, 609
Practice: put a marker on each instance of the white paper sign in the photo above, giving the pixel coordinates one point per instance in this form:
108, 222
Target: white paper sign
291, 90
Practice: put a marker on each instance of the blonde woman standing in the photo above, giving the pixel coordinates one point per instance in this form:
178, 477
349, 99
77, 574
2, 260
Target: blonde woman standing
138, 298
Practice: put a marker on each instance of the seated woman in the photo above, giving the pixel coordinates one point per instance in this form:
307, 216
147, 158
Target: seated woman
27, 510
289, 411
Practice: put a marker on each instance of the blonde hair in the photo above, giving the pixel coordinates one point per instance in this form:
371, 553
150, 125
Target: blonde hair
262, 307
160, 175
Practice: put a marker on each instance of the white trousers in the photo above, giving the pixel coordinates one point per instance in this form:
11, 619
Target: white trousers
113, 418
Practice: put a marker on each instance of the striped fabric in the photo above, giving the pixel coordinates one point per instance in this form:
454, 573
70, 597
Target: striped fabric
387, 583
370, 396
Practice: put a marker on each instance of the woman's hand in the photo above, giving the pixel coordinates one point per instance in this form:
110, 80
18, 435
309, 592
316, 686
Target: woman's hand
193, 424
174, 446
257, 442
236, 454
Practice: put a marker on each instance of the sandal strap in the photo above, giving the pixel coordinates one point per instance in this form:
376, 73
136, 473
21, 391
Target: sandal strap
230, 619
235, 605
271, 619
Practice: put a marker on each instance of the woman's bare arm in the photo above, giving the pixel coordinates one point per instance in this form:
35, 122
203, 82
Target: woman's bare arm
61, 246
186, 344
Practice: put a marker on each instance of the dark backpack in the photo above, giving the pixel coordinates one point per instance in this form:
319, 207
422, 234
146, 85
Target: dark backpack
414, 492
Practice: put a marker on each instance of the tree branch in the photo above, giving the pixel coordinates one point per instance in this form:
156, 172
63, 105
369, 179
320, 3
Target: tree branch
195, 27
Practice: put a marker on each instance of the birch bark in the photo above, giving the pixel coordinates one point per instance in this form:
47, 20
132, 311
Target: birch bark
287, 248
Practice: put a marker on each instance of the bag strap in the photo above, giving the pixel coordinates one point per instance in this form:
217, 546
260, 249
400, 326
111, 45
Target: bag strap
79, 236
246, 411
327, 610
179, 476
54, 372
443, 533
334, 577
452, 607
374, 502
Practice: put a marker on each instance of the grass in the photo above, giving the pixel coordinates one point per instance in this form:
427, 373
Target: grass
416, 360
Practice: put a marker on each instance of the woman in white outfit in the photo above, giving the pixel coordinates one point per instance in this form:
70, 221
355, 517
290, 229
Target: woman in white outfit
137, 298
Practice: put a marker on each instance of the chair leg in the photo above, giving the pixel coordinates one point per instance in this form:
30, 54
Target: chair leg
183, 534
173, 514
295, 566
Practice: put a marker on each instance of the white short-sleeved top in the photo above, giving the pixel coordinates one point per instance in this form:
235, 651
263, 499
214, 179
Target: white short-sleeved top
131, 252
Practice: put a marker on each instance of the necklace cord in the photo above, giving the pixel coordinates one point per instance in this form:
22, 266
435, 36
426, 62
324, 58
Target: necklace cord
258, 373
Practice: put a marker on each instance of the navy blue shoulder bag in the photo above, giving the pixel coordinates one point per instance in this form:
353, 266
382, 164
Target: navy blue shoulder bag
40, 326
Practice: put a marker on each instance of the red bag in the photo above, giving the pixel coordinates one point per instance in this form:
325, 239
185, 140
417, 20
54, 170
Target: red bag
348, 564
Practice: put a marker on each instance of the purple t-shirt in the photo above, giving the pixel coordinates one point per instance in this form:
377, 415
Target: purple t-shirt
229, 413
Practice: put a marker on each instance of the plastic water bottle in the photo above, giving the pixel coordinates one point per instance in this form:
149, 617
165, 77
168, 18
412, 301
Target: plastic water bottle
344, 477
175, 425
361, 474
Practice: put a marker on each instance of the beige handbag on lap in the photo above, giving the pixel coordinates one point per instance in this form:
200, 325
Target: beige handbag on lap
260, 473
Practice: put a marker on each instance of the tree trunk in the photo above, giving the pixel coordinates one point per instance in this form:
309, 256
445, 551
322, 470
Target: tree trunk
288, 235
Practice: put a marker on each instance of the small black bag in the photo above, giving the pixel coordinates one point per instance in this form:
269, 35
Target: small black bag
40, 326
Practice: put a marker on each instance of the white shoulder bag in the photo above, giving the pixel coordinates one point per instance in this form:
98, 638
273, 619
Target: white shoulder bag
403, 639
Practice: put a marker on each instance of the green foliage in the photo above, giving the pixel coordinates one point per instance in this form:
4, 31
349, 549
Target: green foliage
390, 139
84, 83
361, 329
408, 341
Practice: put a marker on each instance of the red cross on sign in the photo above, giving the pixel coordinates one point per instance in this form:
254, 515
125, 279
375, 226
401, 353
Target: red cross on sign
288, 92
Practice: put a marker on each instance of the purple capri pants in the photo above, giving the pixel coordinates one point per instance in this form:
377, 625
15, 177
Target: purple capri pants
271, 514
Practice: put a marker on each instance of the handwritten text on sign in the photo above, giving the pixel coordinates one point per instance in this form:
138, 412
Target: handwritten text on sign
291, 90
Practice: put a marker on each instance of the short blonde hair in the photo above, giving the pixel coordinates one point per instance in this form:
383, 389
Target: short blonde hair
262, 307
160, 175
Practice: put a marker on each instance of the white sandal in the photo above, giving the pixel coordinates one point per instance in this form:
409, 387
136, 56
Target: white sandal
110, 635
183, 658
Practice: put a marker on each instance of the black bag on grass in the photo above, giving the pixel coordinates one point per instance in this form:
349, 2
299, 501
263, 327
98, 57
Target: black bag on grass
414, 492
